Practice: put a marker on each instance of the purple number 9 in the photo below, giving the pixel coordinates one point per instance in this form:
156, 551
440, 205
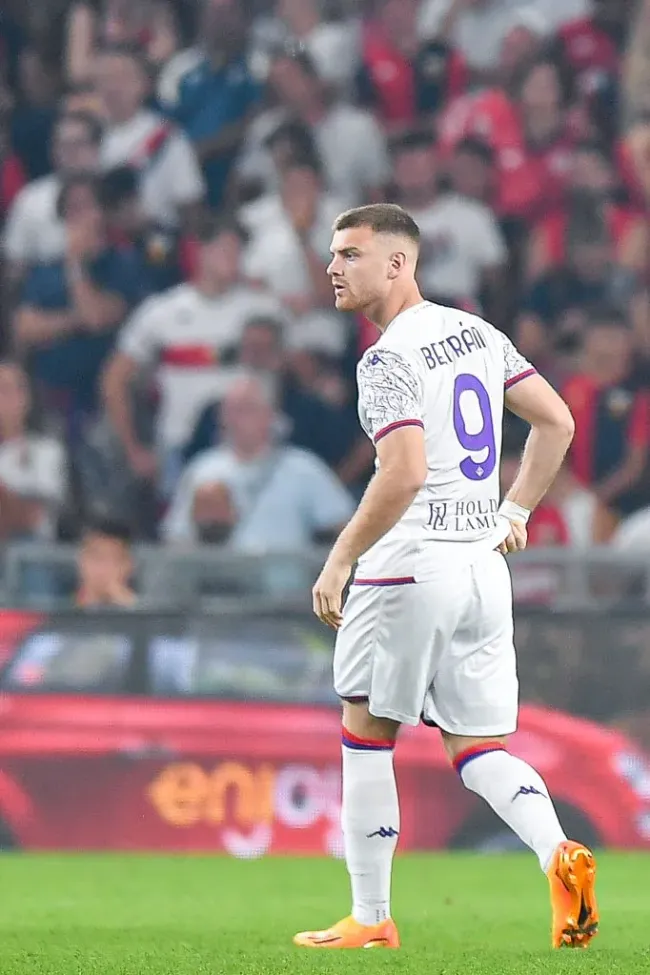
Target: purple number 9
483, 439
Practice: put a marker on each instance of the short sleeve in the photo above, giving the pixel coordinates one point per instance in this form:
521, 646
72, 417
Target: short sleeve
516, 367
488, 244
18, 231
330, 503
183, 177
390, 392
140, 336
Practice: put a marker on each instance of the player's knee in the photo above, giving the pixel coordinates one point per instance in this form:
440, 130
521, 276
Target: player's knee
457, 745
359, 722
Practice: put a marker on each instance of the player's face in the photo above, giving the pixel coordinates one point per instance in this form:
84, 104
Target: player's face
359, 269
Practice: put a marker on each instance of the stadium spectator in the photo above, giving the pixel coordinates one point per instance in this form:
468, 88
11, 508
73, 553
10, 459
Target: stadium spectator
66, 323
259, 494
34, 232
105, 566
217, 97
475, 28
310, 419
35, 112
350, 142
33, 468
611, 409
529, 129
188, 336
592, 185
523, 43
171, 182
521, 141
472, 171
289, 253
560, 305
158, 247
331, 42
402, 79
462, 250
593, 44
570, 516
157, 26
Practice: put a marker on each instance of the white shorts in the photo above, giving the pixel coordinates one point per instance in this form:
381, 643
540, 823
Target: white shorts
441, 651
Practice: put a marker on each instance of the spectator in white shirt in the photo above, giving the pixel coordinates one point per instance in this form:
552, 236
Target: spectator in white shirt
289, 252
259, 495
34, 232
185, 334
350, 142
462, 249
32, 466
477, 28
171, 181
332, 44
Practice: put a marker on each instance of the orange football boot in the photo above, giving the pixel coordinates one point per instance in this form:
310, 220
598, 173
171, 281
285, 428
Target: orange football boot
572, 877
348, 933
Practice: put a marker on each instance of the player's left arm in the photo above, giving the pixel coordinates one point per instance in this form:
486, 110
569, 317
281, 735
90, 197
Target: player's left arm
391, 397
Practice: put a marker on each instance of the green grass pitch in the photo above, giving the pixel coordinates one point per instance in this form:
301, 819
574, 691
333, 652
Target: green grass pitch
142, 915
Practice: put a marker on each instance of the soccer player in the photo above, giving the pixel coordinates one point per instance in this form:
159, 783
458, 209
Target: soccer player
427, 631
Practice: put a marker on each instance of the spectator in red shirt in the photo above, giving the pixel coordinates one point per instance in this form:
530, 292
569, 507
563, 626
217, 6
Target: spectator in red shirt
570, 516
529, 131
401, 78
612, 413
558, 307
593, 182
593, 45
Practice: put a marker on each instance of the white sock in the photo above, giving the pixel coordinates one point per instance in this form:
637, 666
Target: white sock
370, 823
517, 793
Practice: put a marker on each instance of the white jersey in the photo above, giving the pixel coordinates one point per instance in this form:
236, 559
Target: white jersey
446, 371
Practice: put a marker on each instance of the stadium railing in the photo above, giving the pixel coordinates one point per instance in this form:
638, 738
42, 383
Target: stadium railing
43, 576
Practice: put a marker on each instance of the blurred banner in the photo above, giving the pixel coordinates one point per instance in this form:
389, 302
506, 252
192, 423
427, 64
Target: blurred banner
221, 733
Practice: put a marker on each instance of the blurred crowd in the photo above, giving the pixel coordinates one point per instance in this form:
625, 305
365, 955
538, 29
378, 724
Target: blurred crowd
169, 174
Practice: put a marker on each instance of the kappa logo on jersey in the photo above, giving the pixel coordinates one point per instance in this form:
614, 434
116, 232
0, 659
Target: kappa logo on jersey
384, 833
375, 359
528, 790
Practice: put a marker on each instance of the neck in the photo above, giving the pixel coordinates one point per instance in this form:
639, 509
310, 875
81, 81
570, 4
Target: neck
383, 313
305, 25
246, 452
122, 118
208, 287
312, 113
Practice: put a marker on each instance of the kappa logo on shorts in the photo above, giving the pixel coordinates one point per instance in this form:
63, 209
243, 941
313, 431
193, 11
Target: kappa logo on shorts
528, 790
384, 833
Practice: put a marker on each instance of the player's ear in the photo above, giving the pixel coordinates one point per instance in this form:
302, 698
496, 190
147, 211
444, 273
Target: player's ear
396, 263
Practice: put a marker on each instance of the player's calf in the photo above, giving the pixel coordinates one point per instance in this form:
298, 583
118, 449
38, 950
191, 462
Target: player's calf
519, 795
515, 791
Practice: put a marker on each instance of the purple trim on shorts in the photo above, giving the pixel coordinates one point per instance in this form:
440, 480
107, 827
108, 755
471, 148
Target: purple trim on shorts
517, 379
397, 581
362, 699
395, 426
